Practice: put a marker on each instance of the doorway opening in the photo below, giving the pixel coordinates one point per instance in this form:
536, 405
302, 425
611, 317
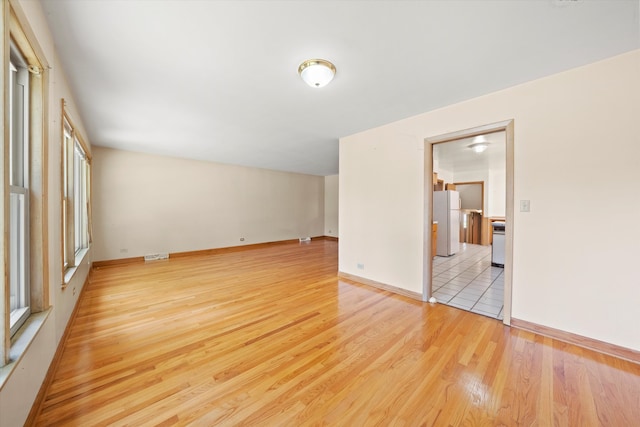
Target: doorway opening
465, 225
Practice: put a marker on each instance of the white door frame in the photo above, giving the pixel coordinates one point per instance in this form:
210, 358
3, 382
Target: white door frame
507, 127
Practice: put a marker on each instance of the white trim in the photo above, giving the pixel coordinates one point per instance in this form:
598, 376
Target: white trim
21, 342
69, 272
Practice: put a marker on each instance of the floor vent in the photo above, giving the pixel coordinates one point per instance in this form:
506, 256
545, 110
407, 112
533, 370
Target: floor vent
156, 257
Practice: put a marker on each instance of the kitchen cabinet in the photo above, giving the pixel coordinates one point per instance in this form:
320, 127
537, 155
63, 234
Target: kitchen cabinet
473, 221
438, 184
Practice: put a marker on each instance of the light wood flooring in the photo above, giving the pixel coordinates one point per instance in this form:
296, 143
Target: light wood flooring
271, 337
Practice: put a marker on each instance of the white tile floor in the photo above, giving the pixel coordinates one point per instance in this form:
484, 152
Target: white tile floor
468, 281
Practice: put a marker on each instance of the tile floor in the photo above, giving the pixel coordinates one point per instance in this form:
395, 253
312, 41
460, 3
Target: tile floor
468, 281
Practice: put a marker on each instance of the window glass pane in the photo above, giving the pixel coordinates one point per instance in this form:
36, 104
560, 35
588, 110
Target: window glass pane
76, 198
84, 227
17, 127
18, 256
65, 160
19, 193
64, 232
66, 164
80, 197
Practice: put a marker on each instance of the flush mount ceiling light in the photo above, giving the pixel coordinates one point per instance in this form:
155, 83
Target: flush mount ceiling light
479, 144
317, 72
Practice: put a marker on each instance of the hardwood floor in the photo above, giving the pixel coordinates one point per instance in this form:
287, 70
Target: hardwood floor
271, 337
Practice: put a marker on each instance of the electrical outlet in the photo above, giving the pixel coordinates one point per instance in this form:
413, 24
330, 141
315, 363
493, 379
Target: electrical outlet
360, 266
525, 205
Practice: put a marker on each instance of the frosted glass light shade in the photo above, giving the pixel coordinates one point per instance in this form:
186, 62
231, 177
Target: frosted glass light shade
317, 72
479, 144
479, 147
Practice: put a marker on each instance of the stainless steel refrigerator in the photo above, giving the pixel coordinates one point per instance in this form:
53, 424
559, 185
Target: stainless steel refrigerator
446, 210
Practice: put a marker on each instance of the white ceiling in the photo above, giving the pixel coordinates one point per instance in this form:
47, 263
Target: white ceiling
217, 80
456, 157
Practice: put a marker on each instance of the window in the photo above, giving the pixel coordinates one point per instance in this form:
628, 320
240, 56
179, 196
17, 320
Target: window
75, 198
19, 300
24, 275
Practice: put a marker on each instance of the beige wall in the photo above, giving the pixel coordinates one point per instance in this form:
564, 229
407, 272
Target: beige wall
145, 204
576, 154
496, 190
19, 390
380, 207
331, 205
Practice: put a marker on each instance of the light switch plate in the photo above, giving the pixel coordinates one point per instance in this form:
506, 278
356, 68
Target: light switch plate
525, 206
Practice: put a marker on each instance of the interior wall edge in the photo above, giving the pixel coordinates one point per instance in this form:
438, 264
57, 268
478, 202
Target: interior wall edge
579, 340
383, 286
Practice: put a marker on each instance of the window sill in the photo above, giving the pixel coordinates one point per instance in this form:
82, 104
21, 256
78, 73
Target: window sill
20, 343
71, 271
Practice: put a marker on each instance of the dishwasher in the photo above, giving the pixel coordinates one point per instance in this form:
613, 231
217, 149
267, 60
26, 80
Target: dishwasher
497, 245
